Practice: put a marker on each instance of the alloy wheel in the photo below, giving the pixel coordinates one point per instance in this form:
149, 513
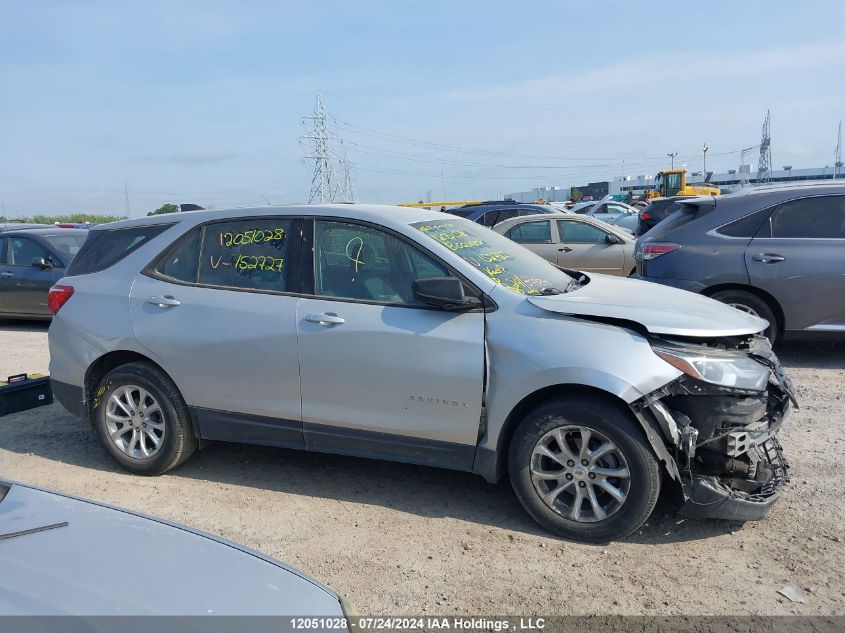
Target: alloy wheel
580, 474
744, 308
135, 421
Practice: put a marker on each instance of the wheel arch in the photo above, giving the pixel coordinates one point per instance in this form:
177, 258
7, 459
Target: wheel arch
109, 361
492, 465
773, 303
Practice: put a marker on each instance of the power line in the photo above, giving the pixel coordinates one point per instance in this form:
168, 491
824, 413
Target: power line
358, 129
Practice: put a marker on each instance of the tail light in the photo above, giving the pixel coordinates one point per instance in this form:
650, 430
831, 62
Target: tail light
644, 215
656, 249
58, 296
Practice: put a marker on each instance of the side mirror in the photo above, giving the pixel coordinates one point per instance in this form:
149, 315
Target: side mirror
611, 239
43, 264
443, 292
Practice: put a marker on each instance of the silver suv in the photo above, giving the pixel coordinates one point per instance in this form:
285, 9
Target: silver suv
416, 336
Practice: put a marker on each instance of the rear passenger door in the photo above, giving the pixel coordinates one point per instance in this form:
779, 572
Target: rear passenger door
218, 310
536, 236
798, 257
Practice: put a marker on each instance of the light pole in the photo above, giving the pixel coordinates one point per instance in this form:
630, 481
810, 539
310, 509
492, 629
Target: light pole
704, 151
672, 156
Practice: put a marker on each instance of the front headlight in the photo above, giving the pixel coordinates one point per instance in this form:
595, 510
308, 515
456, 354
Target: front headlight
729, 369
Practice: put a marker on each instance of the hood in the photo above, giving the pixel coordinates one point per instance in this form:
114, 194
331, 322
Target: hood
660, 309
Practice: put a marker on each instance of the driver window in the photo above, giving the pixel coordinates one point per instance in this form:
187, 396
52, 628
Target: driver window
352, 261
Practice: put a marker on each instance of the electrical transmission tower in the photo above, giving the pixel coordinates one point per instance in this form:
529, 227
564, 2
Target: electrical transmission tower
764, 167
325, 186
837, 154
349, 194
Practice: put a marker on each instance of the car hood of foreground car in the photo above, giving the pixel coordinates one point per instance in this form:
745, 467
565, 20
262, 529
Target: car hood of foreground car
660, 309
89, 559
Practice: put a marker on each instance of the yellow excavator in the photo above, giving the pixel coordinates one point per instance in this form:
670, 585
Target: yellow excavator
673, 182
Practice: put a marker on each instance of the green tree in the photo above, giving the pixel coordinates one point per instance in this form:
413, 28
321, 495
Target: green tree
165, 208
575, 195
76, 218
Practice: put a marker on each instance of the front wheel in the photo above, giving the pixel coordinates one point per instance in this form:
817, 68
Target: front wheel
583, 469
142, 420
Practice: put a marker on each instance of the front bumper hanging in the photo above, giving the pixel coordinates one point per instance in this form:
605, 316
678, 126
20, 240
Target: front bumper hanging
720, 442
711, 499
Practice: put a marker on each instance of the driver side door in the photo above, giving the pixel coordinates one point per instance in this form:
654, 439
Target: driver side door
383, 374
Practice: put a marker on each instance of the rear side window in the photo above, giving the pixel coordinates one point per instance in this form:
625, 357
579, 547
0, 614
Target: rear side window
245, 254
489, 218
745, 227
105, 248
818, 217
181, 262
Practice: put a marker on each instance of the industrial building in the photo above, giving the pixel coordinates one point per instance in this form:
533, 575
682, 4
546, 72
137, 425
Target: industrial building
638, 185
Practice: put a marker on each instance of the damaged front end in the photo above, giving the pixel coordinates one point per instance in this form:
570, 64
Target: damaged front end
719, 422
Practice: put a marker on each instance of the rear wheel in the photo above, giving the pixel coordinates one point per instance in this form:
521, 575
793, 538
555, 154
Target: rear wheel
582, 468
142, 420
750, 304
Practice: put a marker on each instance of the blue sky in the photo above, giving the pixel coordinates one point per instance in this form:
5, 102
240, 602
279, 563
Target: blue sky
201, 101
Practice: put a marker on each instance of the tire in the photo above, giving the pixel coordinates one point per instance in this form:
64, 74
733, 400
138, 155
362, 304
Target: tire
164, 416
606, 422
751, 303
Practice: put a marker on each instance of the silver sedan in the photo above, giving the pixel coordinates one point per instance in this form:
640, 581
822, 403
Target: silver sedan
574, 241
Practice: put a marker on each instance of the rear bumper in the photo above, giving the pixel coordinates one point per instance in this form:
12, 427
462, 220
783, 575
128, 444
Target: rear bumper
682, 284
69, 395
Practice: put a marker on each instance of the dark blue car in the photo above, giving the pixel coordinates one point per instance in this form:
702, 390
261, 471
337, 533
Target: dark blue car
777, 252
491, 213
31, 261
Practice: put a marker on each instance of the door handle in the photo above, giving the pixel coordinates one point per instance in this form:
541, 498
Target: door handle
164, 302
565, 249
768, 258
327, 318
6, 273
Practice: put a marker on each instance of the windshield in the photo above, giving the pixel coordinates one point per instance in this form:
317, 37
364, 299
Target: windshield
67, 244
505, 262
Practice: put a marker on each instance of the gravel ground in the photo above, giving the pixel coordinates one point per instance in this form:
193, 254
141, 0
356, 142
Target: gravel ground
400, 539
